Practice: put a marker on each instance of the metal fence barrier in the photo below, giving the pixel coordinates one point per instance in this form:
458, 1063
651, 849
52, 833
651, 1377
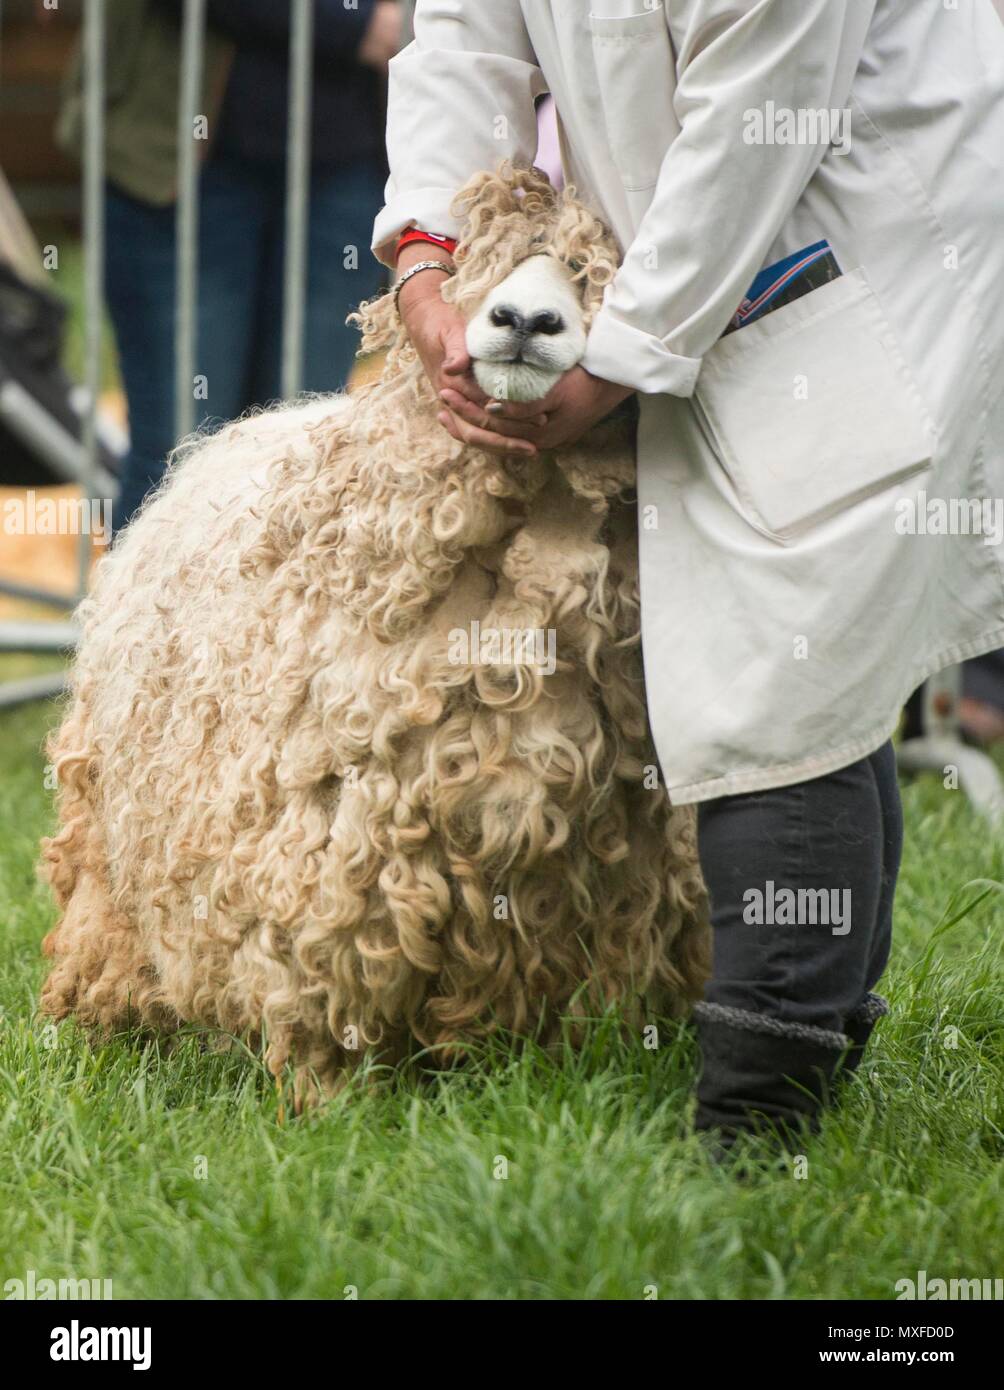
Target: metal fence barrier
193, 30
79, 461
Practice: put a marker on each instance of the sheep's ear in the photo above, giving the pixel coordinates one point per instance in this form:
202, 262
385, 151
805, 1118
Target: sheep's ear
483, 196
584, 244
510, 188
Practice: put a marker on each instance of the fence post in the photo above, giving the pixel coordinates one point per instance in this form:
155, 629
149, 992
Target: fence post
301, 64
94, 263
187, 217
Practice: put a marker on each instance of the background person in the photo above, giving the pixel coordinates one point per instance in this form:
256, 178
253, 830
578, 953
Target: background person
242, 203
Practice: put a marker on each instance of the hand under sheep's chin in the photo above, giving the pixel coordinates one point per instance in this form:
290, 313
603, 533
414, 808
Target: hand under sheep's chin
514, 381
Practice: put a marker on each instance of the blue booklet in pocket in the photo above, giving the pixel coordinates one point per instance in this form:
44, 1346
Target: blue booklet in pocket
786, 281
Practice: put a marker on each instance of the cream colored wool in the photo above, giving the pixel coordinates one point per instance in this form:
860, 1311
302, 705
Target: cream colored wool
288, 811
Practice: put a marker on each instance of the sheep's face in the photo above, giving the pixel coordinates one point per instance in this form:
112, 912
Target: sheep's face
528, 331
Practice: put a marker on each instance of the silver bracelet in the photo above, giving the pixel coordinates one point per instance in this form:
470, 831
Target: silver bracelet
413, 270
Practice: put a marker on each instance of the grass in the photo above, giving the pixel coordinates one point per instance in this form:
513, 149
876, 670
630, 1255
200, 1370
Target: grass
183, 1174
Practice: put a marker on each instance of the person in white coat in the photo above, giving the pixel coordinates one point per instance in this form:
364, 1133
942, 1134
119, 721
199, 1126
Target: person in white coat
809, 197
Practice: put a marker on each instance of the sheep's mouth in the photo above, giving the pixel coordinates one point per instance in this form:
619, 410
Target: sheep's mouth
523, 356
514, 379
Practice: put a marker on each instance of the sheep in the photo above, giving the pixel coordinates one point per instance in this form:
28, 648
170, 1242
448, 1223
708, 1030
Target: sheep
312, 791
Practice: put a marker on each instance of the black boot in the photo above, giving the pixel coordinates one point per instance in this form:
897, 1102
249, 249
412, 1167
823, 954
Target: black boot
762, 1076
860, 1025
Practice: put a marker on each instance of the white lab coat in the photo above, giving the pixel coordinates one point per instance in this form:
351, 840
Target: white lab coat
787, 609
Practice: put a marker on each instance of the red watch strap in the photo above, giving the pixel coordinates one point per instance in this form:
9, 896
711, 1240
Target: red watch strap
448, 243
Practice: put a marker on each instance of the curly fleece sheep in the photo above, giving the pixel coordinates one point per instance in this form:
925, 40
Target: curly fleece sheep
312, 788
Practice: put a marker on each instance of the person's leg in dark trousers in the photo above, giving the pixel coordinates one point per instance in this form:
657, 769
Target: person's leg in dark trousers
862, 1020
232, 248
792, 976
883, 763
140, 287
342, 271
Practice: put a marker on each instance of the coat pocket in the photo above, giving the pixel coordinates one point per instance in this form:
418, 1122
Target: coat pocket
636, 71
813, 408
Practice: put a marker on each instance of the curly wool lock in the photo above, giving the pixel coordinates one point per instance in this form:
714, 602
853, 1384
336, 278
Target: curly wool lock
288, 809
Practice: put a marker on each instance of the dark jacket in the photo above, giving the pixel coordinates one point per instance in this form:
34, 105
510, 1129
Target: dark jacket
347, 100
244, 89
142, 73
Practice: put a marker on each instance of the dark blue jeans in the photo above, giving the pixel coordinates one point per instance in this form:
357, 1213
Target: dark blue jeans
840, 836
241, 237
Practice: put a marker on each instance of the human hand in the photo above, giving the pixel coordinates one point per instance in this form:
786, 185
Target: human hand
438, 333
578, 401
383, 36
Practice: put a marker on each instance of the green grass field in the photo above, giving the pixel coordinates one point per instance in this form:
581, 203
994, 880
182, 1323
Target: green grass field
183, 1174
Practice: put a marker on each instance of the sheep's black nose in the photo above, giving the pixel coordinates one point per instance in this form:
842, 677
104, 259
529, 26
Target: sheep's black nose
505, 316
546, 321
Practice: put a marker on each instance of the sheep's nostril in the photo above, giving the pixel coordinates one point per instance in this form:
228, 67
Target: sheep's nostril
547, 321
505, 316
